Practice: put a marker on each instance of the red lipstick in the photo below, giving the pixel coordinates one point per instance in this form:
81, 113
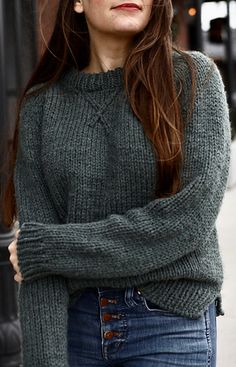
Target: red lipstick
128, 6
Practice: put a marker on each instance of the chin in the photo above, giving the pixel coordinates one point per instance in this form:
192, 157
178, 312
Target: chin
129, 26
127, 31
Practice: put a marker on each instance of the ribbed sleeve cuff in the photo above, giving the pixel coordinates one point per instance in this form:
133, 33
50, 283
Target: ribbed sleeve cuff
32, 259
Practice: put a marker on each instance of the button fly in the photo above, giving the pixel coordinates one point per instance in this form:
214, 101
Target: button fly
109, 317
103, 302
106, 317
110, 334
106, 301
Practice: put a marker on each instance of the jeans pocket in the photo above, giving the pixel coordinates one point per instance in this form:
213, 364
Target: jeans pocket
152, 307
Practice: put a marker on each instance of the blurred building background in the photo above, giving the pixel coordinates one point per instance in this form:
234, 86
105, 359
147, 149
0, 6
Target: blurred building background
208, 26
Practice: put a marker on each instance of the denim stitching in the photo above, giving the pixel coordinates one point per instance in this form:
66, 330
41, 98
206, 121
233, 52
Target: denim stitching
208, 337
103, 347
157, 309
129, 297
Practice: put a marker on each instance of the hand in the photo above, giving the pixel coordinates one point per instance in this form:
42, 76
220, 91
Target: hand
12, 248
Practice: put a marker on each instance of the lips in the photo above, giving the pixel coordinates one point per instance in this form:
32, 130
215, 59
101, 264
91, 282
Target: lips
127, 6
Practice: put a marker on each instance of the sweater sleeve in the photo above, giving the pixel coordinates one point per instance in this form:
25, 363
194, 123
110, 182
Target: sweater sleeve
147, 238
42, 303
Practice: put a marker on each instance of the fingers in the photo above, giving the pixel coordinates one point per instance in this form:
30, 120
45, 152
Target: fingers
18, 278
13, 260
12, 248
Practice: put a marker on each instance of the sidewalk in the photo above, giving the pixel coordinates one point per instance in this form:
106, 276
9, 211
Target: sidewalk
226, 225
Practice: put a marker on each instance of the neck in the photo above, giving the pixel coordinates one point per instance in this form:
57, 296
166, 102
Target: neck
107, 53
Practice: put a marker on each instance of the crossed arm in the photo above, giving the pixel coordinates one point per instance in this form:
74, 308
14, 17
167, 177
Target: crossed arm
141, 240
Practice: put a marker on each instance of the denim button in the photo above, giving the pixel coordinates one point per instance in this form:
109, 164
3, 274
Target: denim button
109, 317
106, 317
108, 334
104, 302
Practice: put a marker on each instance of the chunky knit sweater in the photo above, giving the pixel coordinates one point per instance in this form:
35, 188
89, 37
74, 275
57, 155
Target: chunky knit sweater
85, 177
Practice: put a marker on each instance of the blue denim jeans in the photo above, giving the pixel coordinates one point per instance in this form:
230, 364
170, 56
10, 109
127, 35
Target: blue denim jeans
121, 328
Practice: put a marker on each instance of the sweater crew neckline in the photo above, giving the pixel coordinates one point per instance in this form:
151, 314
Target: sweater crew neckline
82, 81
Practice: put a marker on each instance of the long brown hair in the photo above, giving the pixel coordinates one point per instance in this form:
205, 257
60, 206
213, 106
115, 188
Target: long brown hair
149, 81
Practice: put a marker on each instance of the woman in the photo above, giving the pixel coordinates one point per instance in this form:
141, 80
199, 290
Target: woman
120, 172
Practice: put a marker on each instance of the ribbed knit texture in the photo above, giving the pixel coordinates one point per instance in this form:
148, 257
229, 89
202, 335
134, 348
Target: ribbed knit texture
85, 178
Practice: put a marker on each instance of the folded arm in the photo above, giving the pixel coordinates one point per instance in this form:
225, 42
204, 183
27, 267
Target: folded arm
144, 239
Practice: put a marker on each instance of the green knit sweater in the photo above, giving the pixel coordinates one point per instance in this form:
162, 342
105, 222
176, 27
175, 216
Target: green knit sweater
84, 179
